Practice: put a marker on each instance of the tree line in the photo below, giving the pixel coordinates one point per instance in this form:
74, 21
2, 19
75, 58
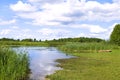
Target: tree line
22, 40
80, 39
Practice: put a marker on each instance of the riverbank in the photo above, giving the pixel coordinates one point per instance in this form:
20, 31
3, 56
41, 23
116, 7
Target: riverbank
13, 65
89, 65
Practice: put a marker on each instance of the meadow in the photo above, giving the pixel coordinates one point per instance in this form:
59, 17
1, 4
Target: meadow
13, 65
88, 63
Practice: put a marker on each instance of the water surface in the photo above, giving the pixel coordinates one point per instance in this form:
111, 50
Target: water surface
42, 61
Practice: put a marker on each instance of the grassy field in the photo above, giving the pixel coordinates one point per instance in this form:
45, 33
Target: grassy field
89, 65
13, 65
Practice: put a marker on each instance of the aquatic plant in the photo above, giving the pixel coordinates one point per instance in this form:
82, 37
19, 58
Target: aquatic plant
13, 65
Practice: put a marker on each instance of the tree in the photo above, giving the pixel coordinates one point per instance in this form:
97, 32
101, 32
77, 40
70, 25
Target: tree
35, 40
40, 40
7, 39
115, 35
27, 40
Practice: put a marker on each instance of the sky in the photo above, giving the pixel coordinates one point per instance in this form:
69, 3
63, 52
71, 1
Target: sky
54, 19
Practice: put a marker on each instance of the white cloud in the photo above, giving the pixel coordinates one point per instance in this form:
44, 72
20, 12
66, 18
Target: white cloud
55, 1
95, 28
20, 6
89, 27
51, 14
34, 0
48, 33
68, 14
92, 11
45, 1
116, 1
103, 35
3, 22
44, 33
15, 27
5, 31
54, 14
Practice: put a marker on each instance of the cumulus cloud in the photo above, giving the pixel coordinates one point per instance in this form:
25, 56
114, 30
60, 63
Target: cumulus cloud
69, 10
21, 7
89, 27
7, 22
116, 1
47, 33
43, 34
68, 14
46, 1
51, 15
94, 28
53, 33
103, 35
15, 27
5, 31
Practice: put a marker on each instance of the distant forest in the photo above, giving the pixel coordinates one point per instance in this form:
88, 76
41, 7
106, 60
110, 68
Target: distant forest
79, 39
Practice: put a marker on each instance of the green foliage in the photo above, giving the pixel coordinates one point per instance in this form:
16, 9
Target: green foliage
20, 43
55, 44
23, 40
13, 66
27, 40
80, 39
7, 39
63, 41
73, 47
115, 35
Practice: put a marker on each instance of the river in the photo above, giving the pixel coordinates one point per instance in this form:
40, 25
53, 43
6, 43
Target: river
42, 61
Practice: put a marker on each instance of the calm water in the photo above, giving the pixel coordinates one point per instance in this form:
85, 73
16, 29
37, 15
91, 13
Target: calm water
42, 61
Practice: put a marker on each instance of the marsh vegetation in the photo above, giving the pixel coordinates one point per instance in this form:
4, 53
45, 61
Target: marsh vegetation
89, 64
13, 65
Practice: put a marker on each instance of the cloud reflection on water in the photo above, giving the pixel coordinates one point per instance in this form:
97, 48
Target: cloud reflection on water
42, 61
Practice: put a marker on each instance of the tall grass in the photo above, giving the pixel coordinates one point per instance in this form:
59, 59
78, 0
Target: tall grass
13, 65
86, 47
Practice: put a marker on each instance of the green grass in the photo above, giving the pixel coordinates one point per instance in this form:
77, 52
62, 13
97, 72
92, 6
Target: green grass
90, 66
18, 43
13, 65
73, 47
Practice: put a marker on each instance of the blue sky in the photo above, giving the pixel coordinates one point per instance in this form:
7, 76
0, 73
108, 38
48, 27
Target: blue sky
49, 19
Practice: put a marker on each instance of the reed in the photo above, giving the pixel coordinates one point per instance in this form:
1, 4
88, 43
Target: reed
13, 65
74, 47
